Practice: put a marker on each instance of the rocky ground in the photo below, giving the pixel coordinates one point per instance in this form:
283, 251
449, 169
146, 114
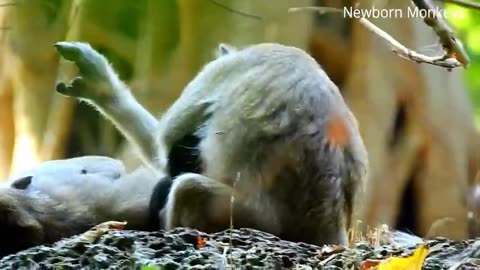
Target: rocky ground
233, 249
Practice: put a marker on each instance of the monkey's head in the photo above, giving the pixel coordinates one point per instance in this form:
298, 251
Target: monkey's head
19, 229
54, 200
30, 216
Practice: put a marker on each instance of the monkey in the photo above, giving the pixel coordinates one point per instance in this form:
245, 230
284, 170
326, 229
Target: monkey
62, 198
276, 147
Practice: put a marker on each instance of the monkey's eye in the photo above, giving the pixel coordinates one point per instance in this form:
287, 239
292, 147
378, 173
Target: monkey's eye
22, 183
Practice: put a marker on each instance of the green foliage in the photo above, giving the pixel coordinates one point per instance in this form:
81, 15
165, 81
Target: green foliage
467, 27
151, 268
52, 9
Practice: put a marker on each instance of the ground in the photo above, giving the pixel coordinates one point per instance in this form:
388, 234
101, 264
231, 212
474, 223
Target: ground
184, 248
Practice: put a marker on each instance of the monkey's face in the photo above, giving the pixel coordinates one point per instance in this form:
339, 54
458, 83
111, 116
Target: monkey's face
18, 228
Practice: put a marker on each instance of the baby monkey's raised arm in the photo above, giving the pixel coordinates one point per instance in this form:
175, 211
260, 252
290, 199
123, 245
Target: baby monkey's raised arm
99, 85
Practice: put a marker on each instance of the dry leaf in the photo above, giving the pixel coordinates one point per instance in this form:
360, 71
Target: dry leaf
201, 241
94, 233
413, 262
369, 264
332, 249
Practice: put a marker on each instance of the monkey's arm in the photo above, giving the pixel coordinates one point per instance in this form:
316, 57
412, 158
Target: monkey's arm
99, 85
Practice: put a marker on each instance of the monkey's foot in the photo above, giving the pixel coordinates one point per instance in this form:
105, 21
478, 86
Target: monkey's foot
96, 80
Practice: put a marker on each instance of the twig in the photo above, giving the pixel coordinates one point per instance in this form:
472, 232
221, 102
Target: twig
443, 61
8, 4
241, 13
447, 61
232, 202
320, 10
462, 3
443, 31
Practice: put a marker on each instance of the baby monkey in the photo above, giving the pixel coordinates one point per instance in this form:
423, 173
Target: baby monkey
62, 198
269, 127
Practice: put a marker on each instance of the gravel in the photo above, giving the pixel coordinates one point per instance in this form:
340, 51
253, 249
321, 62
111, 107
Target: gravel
184, 248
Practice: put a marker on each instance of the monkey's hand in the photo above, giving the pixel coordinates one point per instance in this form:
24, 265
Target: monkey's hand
97, 82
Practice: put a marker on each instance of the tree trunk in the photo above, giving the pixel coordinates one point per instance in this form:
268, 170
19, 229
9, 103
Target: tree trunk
416, 122
7, 132
27, 51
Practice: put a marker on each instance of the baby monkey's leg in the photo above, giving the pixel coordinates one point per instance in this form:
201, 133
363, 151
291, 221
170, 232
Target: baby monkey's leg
199, 202
99, 85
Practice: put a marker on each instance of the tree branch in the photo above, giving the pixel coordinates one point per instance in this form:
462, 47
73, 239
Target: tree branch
447, 60
8, 4
404, 52
241, 13
453, 47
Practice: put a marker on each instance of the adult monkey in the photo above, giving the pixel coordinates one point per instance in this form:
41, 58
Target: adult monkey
267, 119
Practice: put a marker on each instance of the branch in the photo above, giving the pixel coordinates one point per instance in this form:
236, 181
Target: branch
8, 4
443, 31
244, 14
446, 61
462, 3
404, 52
319, 10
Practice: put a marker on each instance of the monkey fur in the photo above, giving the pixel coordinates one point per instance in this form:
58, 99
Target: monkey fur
62, 198
269, 128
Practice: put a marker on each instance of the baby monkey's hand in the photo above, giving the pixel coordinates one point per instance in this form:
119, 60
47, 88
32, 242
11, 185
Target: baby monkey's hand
96, 82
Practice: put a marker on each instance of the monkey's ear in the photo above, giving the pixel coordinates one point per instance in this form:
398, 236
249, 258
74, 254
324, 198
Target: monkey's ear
224, 49
22, 183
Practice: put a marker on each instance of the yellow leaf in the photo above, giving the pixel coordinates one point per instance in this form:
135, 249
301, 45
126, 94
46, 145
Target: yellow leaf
413, 262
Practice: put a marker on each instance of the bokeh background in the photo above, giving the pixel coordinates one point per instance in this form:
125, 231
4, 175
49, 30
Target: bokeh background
417, 121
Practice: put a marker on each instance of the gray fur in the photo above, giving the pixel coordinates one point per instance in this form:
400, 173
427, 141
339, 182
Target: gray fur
68, 197
262, 113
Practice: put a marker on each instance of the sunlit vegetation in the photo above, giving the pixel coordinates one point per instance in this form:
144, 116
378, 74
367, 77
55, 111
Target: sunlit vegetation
467, 26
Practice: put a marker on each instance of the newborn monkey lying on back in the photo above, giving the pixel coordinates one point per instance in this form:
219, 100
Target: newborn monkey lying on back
62, 198
268, 124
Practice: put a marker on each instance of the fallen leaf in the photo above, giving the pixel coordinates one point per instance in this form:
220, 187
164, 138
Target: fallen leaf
201, 241
331, 249
369, 264
413, 262
94, 233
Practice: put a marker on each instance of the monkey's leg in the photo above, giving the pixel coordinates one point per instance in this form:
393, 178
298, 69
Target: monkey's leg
99, 85
199, 202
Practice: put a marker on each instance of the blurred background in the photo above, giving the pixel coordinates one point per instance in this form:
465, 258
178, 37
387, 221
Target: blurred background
417, 121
